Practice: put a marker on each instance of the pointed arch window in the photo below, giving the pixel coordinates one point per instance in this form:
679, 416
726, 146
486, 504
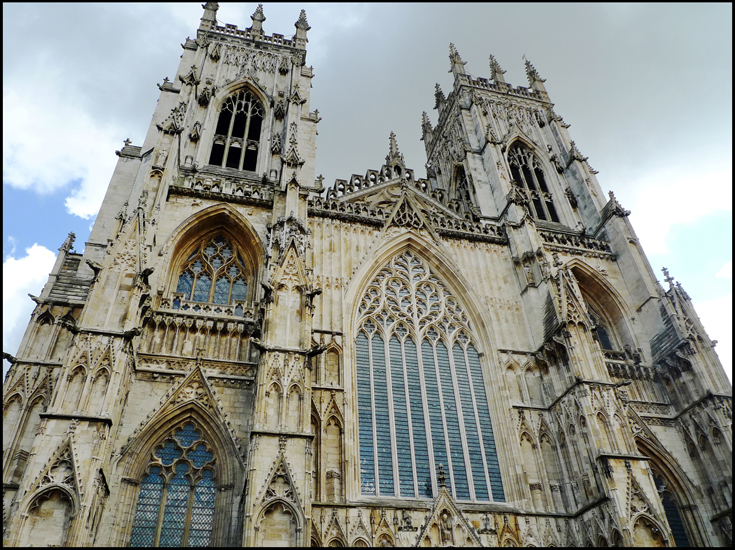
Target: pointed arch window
671, 508
528, 174
176, 500
237, 135
213, 273
602, 331
421, 393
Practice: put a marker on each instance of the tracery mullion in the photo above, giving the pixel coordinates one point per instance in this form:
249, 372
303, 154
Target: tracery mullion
460, 400
463, 374
390, 402
438, 422
457, 467
409, 418
424, 388
229, 133
245, 135
159, 523
376, 472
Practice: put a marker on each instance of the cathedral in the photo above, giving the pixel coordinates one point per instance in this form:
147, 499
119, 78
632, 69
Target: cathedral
243, 355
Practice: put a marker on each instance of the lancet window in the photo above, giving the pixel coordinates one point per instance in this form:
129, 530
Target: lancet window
176, 500
421, 394
237, 135
214, 273
528, 174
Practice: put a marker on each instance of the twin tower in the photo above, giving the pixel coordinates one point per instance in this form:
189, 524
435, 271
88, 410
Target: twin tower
242, 357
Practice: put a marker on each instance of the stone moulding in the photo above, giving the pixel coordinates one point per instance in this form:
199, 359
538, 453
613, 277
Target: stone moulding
220, 197
577, 245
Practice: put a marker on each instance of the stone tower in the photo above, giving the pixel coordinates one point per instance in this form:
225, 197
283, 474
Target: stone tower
241, 357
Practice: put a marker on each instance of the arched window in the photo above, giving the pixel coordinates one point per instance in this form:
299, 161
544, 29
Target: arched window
528, 174
214, 273
604, 335
176, 499
421, 392
237, 136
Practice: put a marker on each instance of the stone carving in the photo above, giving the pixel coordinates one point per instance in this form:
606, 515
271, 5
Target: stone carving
287, 229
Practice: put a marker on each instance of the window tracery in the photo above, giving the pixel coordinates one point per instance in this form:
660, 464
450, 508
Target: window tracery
237, 134
421, 393
214, 273
176, 500
528, 174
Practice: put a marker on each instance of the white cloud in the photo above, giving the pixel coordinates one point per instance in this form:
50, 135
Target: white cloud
20, 277
38, 142
716, 316
725, 272
663, 199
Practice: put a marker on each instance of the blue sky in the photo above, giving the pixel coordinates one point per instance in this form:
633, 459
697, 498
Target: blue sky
647, 89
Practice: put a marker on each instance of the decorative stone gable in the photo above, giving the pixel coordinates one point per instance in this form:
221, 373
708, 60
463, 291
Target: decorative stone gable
446, 525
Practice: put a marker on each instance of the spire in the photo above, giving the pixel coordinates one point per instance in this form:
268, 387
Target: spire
439, 96
258, 17
394, 155
496, 73
456, 61
302, 25
209, 19
534, 80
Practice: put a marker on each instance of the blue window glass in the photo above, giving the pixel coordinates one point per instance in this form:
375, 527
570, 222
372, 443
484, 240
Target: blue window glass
199, 456
486, 427
421, 451
201, 288
239, 290
382, 418
365, 416
184, 286
202, 511
470, 426
403, 439
187, 435
146, 511
169, 453
435, 413
174, 515
221, 291
452, 417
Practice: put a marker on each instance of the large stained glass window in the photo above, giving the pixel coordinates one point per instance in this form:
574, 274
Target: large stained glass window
214, 273
420, 390
176, 499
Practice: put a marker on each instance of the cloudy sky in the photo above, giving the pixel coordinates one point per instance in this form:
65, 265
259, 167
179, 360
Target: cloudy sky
646, 88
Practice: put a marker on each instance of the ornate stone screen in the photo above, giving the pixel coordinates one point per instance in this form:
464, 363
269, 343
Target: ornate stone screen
421, 393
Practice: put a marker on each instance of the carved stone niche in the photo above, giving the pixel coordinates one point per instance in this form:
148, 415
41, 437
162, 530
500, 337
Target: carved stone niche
286, 229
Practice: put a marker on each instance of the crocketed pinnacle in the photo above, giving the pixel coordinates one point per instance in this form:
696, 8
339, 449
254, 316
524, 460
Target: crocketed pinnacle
531, 73
496, 73
439, 96
457, 65
425, 123
393, 152
302, 23
258, 15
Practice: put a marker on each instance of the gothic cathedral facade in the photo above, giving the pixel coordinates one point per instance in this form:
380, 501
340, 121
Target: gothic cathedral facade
243, 357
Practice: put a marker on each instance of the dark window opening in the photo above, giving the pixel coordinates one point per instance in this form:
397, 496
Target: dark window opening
527, 173
240, 118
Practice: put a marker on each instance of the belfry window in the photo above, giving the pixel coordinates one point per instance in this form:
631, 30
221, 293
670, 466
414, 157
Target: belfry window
421, 393
176, 499
237, 135
213, 273
528, 174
